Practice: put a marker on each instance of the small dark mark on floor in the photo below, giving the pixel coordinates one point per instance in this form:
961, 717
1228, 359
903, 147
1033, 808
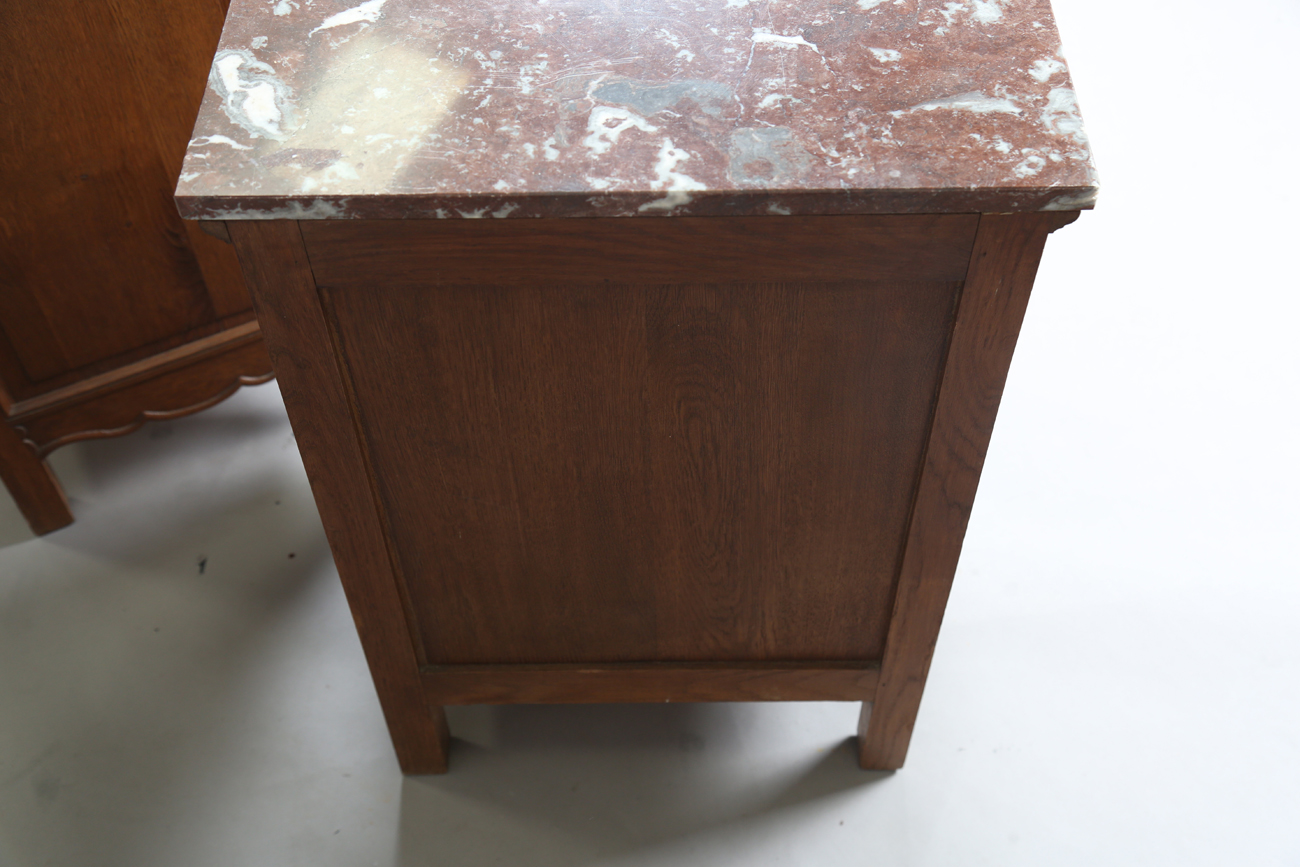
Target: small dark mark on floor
157, 629
277, 502
203, 564
336, 830
292, 555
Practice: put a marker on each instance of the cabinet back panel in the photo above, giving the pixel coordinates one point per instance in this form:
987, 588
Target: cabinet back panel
675, 472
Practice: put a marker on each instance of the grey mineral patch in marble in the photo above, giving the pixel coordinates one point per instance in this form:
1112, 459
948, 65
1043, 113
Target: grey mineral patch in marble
761, 155
251, 94
649, 97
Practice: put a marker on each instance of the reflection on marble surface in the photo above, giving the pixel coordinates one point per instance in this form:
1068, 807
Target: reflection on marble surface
529, 108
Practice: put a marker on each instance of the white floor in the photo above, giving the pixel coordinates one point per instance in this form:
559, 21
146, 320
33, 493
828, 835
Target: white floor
1118, 680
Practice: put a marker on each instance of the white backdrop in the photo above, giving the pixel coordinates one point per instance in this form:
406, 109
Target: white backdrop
1118, 680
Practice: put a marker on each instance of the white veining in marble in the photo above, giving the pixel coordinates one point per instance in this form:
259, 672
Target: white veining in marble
434, 107
1043, 70
976, 102
365, 13
668, 178
252, 95
607, 123
762, 35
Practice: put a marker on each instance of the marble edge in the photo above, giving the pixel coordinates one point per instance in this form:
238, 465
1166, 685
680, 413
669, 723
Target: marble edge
649, 204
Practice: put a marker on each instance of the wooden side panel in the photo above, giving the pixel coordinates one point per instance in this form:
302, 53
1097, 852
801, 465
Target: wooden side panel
284, 292
629, 472
558, 684
1002, 269
94, 259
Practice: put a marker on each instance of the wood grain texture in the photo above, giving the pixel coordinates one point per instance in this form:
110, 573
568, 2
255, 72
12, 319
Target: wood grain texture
276, 268
559, 684
94, 258
103, 286
33, 486
607, 473
993, 300
684, 249
90, 229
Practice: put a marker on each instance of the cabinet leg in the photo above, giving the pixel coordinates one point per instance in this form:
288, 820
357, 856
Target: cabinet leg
32, 484
879, 748
422, 749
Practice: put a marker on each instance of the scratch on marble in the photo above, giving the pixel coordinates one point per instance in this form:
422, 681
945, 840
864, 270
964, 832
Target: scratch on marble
650, 97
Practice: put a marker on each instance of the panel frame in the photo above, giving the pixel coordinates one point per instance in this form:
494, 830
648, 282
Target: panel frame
994, 297
650, 682
279, 276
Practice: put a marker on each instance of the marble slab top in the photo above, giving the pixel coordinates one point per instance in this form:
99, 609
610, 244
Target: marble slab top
321, 109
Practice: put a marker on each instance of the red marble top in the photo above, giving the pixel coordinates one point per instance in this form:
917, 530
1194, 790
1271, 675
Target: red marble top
534, 108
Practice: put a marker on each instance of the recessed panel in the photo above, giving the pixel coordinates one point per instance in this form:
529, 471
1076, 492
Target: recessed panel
646, 472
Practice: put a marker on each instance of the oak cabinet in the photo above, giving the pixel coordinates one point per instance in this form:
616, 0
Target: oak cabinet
112, 309
641, 351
